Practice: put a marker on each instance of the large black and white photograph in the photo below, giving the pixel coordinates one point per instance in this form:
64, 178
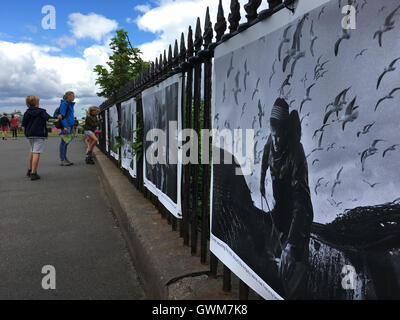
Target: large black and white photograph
128, 136
318, 217
114, 150
161, 106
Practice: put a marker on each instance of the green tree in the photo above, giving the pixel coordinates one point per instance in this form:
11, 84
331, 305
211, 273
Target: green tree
125, 64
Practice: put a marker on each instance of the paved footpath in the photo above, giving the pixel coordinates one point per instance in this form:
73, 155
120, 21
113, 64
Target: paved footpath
63, 220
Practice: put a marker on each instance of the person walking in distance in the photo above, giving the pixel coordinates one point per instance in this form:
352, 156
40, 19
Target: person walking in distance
66, 115
35, 124
92, 122
5, 124
14, 126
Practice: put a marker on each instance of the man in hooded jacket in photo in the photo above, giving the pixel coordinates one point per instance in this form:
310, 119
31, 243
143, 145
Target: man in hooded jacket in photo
292, 215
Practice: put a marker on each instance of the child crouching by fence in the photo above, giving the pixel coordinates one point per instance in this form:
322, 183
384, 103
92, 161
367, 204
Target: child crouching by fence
35, 124
92, 122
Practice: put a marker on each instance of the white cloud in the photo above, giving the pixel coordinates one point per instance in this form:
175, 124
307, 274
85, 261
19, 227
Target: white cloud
65, 41
31, 69
172, 17
31, 28
92, 26
143, 8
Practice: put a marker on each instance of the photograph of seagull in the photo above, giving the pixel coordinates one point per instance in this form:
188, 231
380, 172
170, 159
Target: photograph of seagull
336, 182
307, 97
388, 69
370, 184
297, 57
392, 148
334, 203
216, 118
284, 40
272, 73
321, 12
256, 89
351, 114
313, 38
320, 130
345, 36
284, 84
253, 124
331, 146
315, 161
360, 53
318, 185
305, 116
319, 69
336, 105
365, 129
296, 43
389, 96
237, 90
224, 94
304, 80
369, 152
246, 74
261, 113
230, 69
388, 25
243, 110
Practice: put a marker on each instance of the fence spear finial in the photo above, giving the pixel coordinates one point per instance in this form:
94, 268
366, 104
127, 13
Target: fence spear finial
220, 26
251, 9
234, 16
208, 30
198, 39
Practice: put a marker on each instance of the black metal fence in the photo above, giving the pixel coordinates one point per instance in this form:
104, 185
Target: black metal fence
192, 59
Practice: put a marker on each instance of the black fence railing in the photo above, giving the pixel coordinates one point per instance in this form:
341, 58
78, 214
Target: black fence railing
193, 60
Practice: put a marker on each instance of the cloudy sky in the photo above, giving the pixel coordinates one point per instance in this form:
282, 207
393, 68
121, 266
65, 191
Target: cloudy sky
49, 62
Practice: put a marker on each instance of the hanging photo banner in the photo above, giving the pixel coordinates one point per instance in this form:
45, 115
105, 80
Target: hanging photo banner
107, 130
114, 150
307, 204
162, 122
128, 136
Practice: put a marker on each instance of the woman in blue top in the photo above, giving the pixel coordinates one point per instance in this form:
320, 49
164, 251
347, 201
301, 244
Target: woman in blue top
68, 121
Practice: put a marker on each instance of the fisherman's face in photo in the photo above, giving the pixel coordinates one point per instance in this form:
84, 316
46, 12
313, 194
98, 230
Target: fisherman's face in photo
278, 134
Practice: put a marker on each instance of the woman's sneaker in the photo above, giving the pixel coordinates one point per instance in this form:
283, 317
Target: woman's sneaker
65, 163
34, 176
28, 174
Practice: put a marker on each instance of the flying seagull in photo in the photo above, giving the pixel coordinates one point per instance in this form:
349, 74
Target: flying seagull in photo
304, 80
307, 97
295, 43
297, 57
243, 110
284, 84
224, 94
370, 184
334, 203
246, 74
336, 105
336, 182
369, 152
318, 185
360, 53
272, 74
236, 92
284, 40
261, 113
256, 89
305, 116
313, 38
315, 161
392, 148
388, 69
351, 113
345, 36
365, 129
230, 69
320, 130
321, 12
388, 25
253, 125
389, 96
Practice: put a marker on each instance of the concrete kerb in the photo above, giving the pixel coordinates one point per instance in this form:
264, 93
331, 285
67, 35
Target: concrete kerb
165, 266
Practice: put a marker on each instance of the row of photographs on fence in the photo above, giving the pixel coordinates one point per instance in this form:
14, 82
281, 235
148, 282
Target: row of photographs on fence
161, 109
319, 215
